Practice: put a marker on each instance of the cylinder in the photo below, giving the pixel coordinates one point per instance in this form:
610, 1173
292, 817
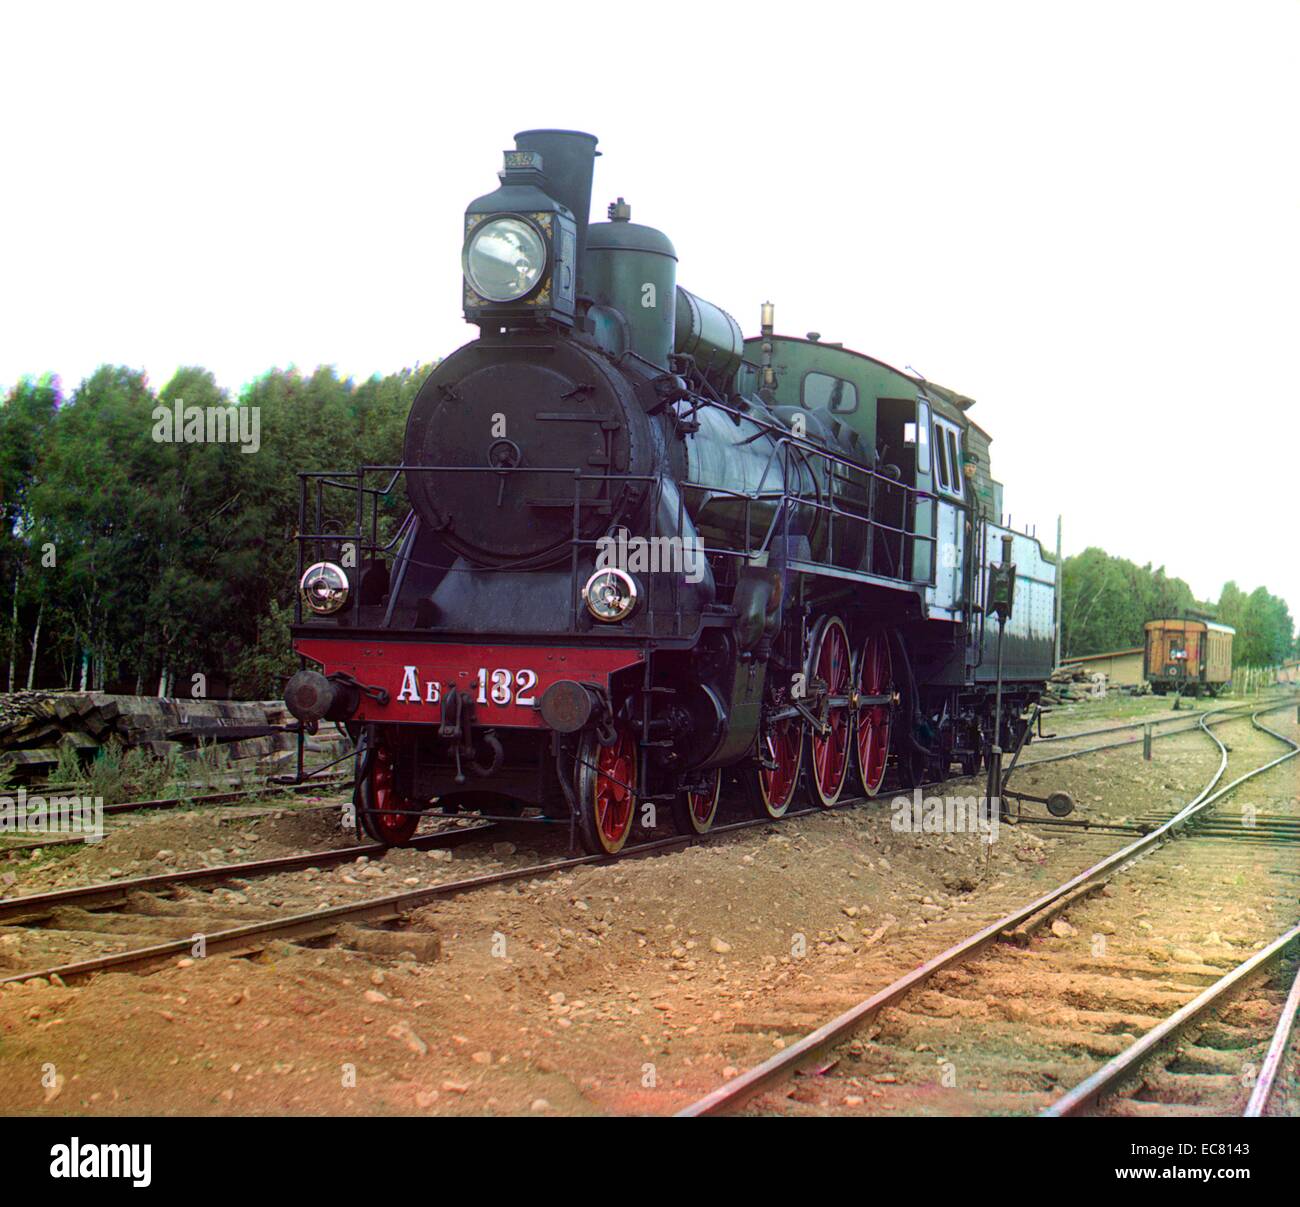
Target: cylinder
710, 335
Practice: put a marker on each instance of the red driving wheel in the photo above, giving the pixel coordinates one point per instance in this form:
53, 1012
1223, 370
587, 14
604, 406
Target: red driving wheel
695, 812
782, 747
831, 662
875, 677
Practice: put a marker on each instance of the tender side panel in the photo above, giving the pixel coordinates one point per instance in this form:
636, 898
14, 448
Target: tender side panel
1029, 649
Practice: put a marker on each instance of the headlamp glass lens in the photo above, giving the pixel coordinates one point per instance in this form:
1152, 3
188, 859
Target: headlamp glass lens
610, 595
505, 259
324, 588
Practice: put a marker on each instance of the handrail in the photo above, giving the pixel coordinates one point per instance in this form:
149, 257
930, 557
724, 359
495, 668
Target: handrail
785, 499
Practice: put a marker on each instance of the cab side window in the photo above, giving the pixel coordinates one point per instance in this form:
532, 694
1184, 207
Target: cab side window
821, 391
941, 460
947, 459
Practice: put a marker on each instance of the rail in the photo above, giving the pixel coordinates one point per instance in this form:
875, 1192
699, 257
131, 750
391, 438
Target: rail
740, 1088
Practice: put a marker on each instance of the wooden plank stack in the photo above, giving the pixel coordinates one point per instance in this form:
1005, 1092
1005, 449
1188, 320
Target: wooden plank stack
1068, 683
35, 725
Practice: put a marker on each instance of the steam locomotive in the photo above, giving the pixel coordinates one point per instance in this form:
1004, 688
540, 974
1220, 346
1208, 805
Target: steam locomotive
643, 551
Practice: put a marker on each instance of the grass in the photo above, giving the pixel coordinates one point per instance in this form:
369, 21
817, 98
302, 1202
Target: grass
207, 768
67, 770
120, 775
1116, 707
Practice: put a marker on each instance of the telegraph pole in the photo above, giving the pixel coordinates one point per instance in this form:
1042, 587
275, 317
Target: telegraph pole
1060, 590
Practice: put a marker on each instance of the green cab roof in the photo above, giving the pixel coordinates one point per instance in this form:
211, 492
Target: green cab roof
827, 353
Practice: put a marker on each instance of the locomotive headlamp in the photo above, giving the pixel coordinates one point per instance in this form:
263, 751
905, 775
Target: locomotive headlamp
504, 259
324, 588
521, 248
611, 595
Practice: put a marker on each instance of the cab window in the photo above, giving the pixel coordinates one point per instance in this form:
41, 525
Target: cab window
921, 435
941, 460
947, 458
821, 391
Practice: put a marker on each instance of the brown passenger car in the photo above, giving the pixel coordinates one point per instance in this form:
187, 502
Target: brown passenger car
1188, 656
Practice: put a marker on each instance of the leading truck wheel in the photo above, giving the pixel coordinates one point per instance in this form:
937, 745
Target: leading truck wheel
606, 788
385, 815
831, 662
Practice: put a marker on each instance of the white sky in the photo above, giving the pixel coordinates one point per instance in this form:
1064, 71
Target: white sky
1087, 216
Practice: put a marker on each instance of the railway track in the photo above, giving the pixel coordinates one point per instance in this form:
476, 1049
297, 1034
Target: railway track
141, 896
1038, 1016
173, 909
339, 782
1214, 716
154, 903
268, 788
1192, 715
152, 921
30, 907
1214, 1074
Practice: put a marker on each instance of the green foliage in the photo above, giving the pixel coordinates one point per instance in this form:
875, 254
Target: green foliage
105, 774
1263, 623
170, 554
208, 767
25, 418
68, 769
147, 776
120, 775
1107, 601
261, 669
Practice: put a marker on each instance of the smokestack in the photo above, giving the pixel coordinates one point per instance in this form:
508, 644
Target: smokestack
568, 161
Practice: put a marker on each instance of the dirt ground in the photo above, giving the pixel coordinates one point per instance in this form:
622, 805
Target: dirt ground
1008, 1031
630, 987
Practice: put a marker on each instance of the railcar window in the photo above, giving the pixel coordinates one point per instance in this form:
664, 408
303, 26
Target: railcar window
822, 391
